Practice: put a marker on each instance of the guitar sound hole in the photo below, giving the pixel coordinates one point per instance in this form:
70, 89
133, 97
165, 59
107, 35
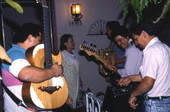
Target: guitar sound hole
50, 89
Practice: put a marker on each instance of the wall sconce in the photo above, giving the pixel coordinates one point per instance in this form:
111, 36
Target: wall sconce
76, 15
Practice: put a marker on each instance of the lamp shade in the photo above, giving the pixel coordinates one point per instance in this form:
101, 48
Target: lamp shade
75, 9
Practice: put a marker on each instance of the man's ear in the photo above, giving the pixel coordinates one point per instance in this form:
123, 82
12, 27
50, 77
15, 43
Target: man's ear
29, 37
144, 34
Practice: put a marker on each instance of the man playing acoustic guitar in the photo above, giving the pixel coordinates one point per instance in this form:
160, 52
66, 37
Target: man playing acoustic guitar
20, 69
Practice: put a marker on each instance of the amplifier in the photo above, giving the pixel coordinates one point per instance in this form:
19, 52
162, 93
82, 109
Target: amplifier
116, 100
124, 90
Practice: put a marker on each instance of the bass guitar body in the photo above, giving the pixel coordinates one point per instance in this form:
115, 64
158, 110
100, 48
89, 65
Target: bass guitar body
49, 94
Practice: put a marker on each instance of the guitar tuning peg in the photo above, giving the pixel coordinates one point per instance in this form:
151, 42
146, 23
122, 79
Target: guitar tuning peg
91, 44
84, 42
94, 45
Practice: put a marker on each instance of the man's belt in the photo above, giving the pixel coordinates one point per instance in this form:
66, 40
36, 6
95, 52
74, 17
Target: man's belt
160, 97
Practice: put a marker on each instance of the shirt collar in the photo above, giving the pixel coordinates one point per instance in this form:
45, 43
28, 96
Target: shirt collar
18, 47
130, 42
154, 40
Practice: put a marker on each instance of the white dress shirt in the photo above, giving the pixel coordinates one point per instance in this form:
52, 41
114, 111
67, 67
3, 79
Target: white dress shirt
133, 60
156, 64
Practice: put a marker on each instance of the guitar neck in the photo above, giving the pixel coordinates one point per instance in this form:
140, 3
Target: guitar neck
102, 59
47, 38
92, 51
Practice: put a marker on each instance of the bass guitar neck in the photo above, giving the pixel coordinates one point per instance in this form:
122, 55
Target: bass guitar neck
91, 51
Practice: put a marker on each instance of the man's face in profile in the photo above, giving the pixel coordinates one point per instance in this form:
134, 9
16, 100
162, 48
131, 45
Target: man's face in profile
138, 41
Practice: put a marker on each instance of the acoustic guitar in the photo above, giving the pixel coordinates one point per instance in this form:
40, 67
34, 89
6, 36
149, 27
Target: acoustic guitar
91, 51
52, 93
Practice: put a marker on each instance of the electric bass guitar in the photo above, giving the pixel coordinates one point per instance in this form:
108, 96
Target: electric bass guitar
91, 51
52, 93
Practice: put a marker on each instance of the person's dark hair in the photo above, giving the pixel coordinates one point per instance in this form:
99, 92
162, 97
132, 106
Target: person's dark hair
146, 26
64, 38
25, 30
114, 26
122, 31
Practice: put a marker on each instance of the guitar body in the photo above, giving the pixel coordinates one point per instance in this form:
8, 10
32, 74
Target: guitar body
49, 94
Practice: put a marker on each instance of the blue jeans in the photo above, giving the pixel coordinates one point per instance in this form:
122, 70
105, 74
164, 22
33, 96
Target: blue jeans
156, 105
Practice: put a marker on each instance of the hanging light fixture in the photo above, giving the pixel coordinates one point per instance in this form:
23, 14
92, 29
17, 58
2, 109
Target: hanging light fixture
76, 14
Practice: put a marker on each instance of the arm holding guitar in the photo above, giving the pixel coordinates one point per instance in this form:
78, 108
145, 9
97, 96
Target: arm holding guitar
120, 60
110, 67
112, 58
36, 74
115, 61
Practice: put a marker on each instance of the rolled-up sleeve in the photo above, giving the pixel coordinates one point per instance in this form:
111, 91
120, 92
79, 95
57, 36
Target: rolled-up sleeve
17, 66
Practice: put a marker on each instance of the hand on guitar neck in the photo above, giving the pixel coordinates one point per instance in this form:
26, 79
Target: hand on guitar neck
110, 67
57, 70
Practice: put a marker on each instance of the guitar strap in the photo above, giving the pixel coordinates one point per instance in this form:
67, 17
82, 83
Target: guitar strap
15, 99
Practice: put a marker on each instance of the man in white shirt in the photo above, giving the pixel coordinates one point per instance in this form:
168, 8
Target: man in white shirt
21, 70
154, 71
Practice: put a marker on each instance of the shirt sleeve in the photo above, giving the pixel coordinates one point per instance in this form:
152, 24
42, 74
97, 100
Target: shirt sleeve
17, 66
132, 63
18, 62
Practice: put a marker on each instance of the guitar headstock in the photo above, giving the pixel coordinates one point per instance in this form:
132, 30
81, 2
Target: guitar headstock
43, 2
88, 48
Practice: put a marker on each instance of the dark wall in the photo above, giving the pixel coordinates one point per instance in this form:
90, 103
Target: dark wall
11, 19
153, 12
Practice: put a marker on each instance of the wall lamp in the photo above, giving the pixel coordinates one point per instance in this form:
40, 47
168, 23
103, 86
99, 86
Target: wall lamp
76, 15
